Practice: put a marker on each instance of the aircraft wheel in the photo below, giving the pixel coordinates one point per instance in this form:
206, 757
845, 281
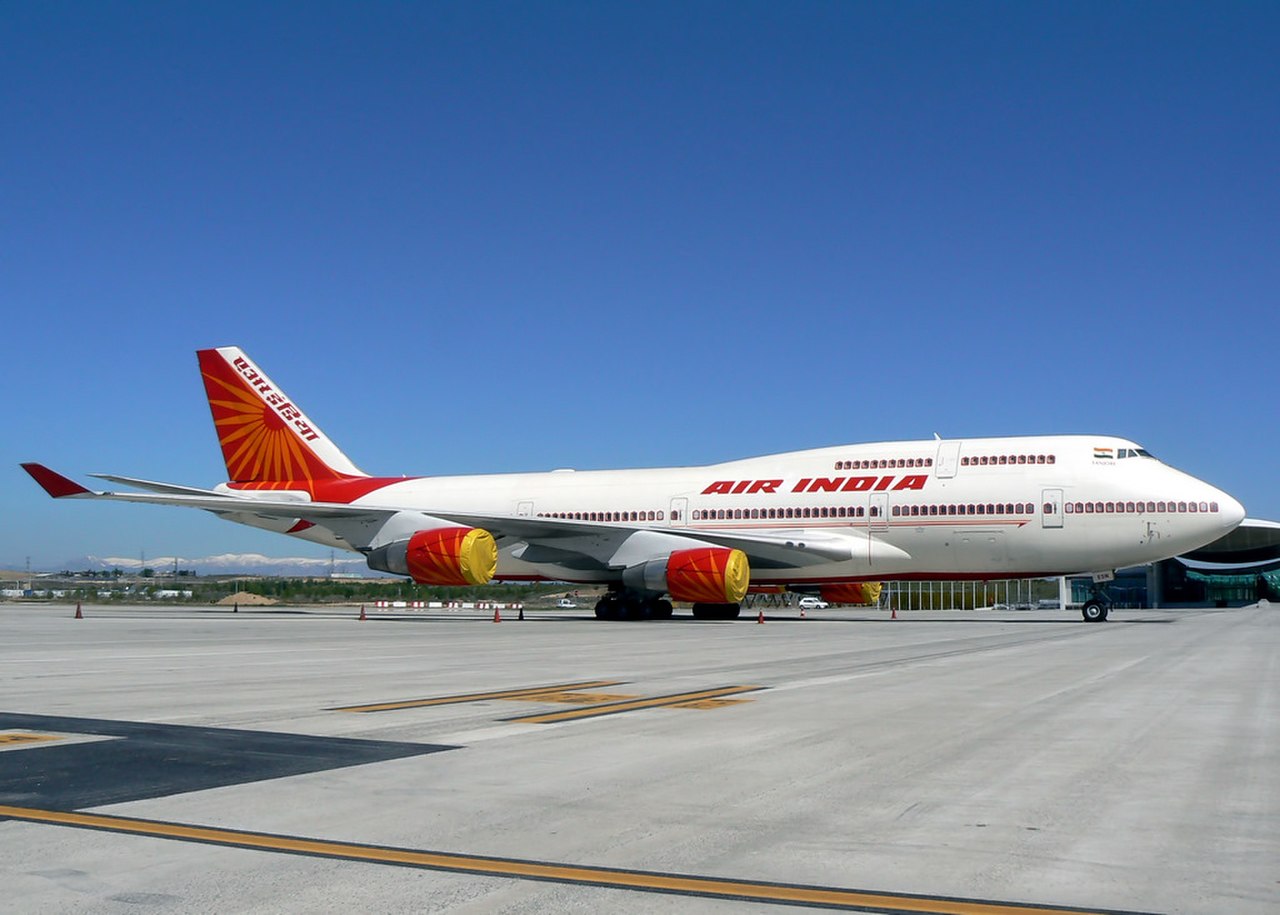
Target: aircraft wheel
1094, 611
717, 611
608, 607
662, 609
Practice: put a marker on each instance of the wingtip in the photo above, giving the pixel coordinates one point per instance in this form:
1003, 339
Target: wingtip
52, 482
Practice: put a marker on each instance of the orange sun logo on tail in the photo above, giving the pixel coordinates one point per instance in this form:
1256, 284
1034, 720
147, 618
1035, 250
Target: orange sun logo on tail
264, 437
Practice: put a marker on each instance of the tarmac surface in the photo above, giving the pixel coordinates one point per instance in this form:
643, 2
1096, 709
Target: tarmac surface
195, 759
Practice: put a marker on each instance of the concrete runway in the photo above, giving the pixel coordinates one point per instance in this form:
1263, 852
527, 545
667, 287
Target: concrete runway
987, 762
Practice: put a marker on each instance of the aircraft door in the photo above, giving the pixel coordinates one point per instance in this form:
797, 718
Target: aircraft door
1051, 509
948, 459
878, 511
679, 512
524, 509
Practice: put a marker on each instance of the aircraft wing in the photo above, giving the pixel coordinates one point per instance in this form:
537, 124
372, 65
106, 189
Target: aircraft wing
604, 542
275, 505
168, 488
581, 544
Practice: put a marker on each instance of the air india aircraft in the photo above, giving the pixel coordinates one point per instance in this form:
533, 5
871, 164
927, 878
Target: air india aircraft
819, 520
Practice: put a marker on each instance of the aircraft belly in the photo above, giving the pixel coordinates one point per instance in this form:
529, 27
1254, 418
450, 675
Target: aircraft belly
511, 568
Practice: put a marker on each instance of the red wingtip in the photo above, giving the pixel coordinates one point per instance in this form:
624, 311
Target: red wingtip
54, 483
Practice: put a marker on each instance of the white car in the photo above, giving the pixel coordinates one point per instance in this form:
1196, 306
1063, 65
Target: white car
566, 603
813, 603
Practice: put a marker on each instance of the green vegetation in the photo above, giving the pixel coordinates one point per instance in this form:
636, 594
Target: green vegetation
114, 587
324, 590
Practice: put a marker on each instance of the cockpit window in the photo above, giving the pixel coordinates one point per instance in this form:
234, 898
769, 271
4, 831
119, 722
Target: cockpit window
1135, 452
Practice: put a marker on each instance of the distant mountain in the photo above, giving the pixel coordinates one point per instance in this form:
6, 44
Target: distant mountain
228, 564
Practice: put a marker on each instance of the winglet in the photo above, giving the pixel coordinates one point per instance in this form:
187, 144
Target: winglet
54, 483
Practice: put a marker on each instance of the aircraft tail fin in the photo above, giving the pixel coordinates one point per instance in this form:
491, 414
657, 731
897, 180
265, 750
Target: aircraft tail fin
265, 438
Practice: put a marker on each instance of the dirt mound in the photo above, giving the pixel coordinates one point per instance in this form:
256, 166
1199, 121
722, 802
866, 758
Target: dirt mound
248, 599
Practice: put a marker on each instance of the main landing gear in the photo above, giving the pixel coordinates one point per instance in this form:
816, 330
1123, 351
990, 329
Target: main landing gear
621, 604
628, 605
716, 611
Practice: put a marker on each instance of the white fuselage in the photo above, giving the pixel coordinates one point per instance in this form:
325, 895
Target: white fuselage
973, 508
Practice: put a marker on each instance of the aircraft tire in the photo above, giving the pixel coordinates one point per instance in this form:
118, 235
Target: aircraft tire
1094, 611
717, 611
609, 608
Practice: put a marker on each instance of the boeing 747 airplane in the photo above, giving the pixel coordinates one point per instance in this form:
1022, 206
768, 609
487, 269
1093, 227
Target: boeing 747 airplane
816, 520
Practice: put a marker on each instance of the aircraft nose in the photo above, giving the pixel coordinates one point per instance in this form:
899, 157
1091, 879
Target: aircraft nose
1232, 512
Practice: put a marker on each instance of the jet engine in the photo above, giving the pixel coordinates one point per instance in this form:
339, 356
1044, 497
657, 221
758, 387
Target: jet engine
448, 556
704, 575
857, 593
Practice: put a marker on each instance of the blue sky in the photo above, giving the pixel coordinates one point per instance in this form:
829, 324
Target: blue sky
512, 236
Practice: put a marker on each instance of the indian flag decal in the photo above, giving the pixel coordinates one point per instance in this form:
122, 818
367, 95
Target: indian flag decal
1107, 454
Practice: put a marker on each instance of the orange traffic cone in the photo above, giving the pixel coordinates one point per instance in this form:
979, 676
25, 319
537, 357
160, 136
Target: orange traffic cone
760, 618
802, 613
894, 615
497, 616
362, 616
79, 615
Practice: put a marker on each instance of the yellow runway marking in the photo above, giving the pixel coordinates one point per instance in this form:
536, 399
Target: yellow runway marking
710, 703
612, 708
644, 881
570, 698
529, 693
13, 739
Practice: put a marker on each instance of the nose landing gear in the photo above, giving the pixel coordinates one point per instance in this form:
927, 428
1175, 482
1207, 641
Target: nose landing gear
1095, 610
